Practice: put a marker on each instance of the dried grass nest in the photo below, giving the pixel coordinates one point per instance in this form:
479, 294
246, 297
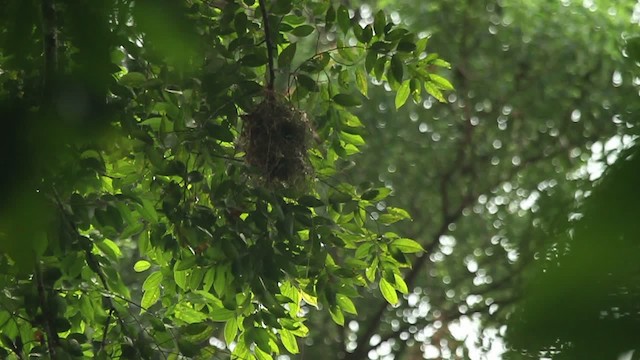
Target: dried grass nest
275, 138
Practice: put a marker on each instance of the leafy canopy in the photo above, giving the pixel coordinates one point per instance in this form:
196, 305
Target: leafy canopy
140, 220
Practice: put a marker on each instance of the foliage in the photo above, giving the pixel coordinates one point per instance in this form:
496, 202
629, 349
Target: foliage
597, 314
121, 135
598, 311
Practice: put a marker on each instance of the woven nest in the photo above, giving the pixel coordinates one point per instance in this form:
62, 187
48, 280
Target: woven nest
275, 137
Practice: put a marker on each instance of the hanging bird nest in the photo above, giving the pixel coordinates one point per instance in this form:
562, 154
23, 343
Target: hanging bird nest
275, 138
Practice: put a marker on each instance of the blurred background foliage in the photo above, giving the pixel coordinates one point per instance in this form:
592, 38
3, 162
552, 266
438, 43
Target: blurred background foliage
521, 187
546, 95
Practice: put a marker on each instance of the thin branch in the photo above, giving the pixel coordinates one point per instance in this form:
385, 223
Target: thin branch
106, 329
52, 335
318, 54
50, 50
270, 45
95, 266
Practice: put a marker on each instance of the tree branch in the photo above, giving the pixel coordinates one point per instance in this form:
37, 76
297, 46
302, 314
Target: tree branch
50, 48
49, 328
270, 46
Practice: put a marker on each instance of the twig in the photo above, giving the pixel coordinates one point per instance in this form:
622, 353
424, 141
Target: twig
95, 266
52, 336
106, 328
318, 54
269, 42
50, 45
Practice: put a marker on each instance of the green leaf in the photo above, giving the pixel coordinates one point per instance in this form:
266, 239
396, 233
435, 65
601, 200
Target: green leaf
220, 280
188, 314
407, 246
378, 68
307, 82
254, 60
330, 16
219, 132
357, 30
109, 248
441, 63
433, 90
141, 265
370, 194
389, 219
347, 100
309, 299
388, 292
344, 21
377, 194
367, 33
403, 94
400, 284
230, 330
222, 314
364, 250
149, 298
397, 68
133, 79
302, 30
289, 341
153, 281
362, 81
310, 201
188, 348
153, 123
241, 351
421, 44
195, 277
346, 304
441, 82
370, 61
379, 22
208, 280
181, 277
286, 56
185, 264
339, 198
351, 120
396, 34
194, 177
381, 47
260, 337
400, 213
262, 355
336, 315
406, 46
281, 7
148, 211
354, 139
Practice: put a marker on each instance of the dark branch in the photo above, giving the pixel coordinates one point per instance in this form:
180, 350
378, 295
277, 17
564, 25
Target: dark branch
95, 266
48, 317
270, 45
50, 44
106, 328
